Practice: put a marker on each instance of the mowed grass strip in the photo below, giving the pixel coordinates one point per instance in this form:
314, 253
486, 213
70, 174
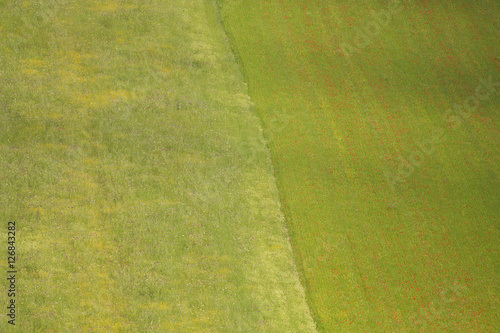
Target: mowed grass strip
391, 200
137, 175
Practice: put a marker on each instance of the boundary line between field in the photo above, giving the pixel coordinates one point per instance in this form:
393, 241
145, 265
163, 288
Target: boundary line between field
298, 265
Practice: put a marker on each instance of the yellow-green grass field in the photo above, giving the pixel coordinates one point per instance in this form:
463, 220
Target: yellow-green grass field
137, 175
382, 118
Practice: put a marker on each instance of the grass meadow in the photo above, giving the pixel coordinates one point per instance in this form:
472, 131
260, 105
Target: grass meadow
382, 119
137, 174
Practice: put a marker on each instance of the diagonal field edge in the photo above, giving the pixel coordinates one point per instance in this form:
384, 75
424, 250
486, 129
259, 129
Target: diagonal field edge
297, 260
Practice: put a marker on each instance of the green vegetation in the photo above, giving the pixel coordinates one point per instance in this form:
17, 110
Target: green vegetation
391, 200
137, 175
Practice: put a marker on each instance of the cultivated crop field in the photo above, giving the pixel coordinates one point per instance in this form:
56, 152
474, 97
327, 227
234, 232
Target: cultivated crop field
382, 118
137, 176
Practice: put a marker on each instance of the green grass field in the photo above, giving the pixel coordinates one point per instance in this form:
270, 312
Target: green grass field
251, 166
137, 174
383, 124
